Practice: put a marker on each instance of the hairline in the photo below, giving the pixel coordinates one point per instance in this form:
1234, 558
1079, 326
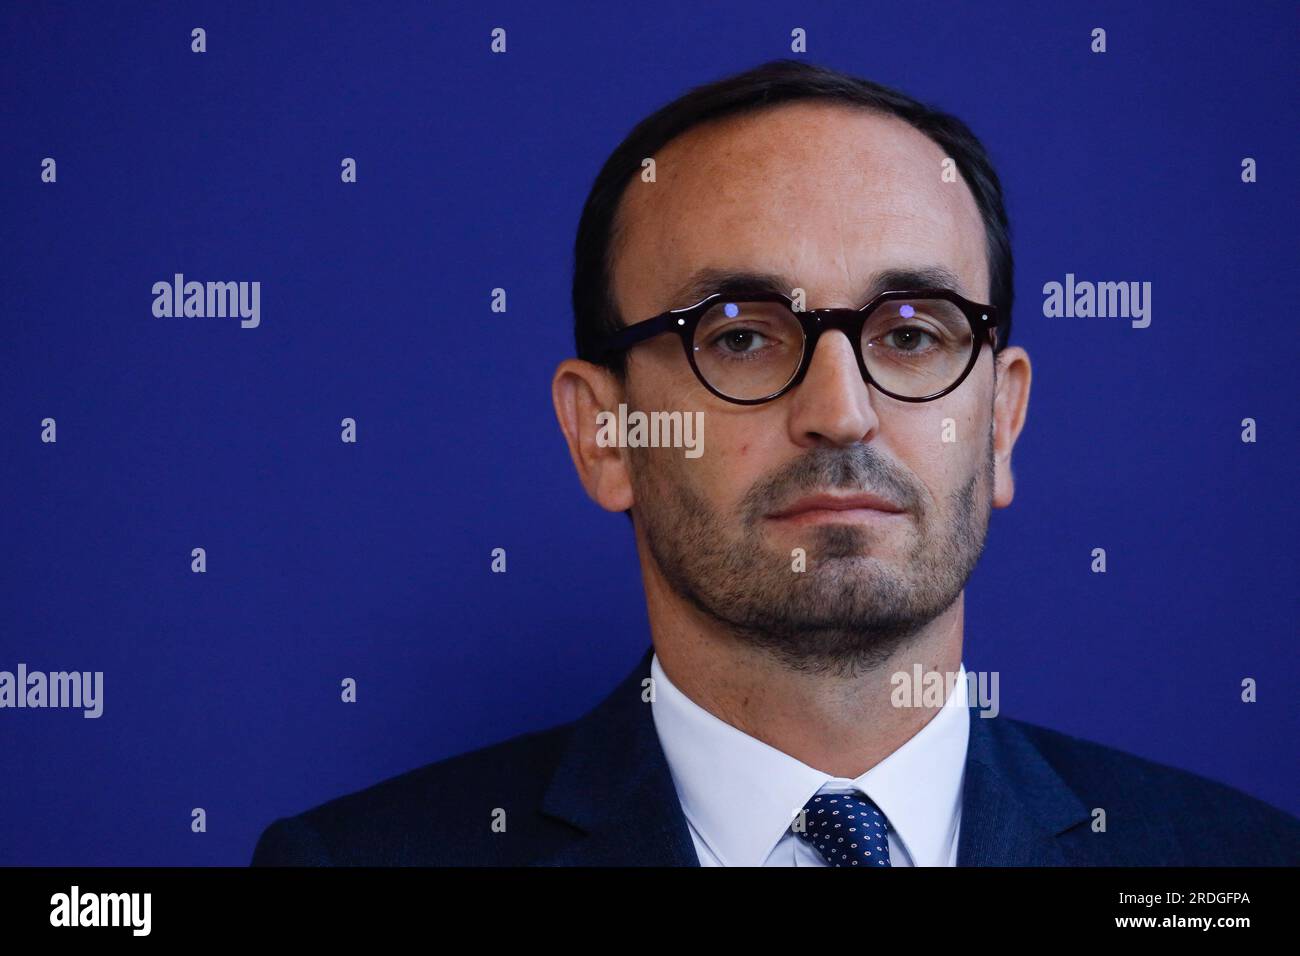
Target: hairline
617, 235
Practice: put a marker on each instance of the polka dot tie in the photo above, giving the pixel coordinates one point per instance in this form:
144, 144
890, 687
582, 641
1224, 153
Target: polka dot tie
847, 829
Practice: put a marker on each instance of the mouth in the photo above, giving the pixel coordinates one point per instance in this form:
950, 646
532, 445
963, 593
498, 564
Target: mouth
857, 508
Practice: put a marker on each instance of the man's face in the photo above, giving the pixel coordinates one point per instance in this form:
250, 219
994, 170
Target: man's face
825, 197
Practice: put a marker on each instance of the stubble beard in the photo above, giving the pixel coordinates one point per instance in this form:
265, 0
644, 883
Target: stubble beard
849, 610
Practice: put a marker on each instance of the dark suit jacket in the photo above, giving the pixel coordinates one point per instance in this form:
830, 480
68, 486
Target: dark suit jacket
569, 793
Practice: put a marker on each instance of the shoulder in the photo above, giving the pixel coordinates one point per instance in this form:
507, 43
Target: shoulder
1155, 813
447, 813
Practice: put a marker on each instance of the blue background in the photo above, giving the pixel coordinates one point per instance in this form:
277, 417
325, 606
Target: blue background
328, 560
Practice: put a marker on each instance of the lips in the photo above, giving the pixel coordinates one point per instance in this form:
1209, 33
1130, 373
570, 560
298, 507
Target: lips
816, 504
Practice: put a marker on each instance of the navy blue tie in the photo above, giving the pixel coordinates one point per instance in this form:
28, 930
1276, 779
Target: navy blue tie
846, 829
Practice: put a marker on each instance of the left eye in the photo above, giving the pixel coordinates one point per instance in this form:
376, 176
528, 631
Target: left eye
909, 334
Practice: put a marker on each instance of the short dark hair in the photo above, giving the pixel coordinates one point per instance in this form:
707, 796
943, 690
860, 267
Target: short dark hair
779, 81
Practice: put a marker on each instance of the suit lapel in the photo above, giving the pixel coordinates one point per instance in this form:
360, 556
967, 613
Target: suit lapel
613, 783
1014, 805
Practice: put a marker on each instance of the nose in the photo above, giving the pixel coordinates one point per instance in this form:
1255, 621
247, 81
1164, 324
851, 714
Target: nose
832, 405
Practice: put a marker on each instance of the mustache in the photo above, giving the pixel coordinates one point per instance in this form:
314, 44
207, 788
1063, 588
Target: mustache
859, 468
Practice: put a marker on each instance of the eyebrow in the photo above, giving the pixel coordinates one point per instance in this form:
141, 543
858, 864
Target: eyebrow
737, 282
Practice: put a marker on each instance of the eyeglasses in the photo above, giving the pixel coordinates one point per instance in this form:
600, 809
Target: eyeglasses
914, 346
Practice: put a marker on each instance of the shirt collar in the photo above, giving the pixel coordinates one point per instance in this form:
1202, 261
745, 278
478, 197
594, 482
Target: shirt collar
741, 794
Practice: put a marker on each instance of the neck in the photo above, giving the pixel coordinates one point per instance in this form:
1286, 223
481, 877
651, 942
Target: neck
840, 725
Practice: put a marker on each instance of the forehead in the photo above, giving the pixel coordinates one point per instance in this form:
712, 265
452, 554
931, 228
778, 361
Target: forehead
825, 195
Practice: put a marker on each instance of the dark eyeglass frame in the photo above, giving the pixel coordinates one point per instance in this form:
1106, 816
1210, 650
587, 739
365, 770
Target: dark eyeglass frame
984, 322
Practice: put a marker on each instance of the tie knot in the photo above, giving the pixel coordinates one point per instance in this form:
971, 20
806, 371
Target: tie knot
847, 829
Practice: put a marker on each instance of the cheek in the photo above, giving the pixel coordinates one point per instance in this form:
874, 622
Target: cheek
736, 456
939, 446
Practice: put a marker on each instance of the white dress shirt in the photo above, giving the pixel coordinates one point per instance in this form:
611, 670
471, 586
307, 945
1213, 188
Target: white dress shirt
740, 795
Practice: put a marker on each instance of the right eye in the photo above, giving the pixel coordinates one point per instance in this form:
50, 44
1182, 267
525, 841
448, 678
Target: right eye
747, 331
740, 340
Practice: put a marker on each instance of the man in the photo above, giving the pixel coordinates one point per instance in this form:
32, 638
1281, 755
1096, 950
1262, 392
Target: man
812, 556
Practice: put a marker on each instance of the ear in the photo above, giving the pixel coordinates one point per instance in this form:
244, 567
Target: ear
1010, 405
581, 391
